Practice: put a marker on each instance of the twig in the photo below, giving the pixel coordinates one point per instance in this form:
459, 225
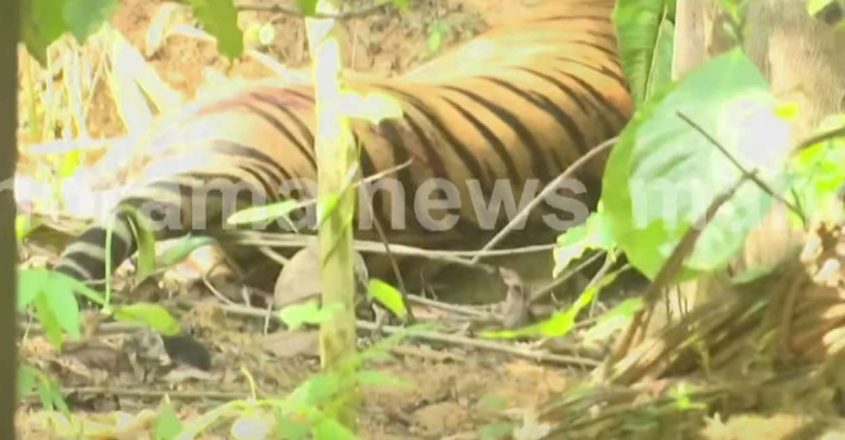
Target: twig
548, 288
539, 356
363, 12
403, 290
821, 137
146, 393
601, 148
430, 336
449, 307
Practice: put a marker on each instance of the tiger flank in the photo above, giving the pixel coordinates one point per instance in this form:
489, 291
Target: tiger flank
496, 118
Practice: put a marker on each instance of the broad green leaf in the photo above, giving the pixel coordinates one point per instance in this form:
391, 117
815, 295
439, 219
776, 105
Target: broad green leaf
572, 244
309, 312
220, 19
153, 315
41, 25
85, 17
167, 424
63, 305
31, 283
388, 296
316, 390
49, 323
663, 174
645, 37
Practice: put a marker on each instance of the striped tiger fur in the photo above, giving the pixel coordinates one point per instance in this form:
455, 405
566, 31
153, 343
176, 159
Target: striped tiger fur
514, 106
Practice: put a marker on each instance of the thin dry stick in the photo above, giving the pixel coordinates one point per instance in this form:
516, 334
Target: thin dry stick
463, 310
547, 289
754, 178
601, 148
363, 12
403, 291
539, 356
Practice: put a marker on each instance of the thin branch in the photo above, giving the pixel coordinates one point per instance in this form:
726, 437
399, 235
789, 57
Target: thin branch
601, 148
745, 172
432, 336
279, 9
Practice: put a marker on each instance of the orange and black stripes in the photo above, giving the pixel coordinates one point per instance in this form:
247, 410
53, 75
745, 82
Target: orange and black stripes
518, 104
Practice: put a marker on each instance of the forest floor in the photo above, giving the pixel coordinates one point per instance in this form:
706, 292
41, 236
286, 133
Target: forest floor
455, 390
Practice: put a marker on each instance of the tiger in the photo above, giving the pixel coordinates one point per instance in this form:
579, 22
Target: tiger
510, 109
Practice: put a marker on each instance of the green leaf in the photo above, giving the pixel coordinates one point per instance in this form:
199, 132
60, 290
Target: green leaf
663, 174
167, 424
24, 225
63, 305
183, 248
646, 38
307, 7
153, 315
572, 244
220, 19
49, 322
815, 6
31, 283
309, 312
436, 31
402, 5
34, 282
46, 394
289, 428
388, 296
27, 377
85, 17
560, 323
41, 25
329, 428
257, 214
817, 174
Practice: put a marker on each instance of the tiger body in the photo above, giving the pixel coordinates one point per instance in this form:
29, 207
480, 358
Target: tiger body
516, 105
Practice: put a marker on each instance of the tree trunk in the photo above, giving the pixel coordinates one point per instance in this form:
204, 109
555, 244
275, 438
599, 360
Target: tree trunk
8, 251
